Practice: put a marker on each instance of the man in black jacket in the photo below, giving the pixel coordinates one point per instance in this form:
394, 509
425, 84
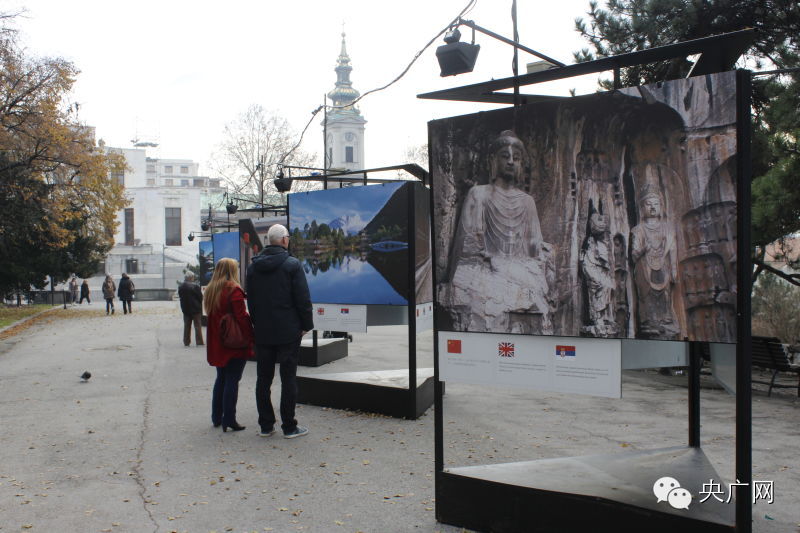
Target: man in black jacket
280, 308
192, 307
125, 293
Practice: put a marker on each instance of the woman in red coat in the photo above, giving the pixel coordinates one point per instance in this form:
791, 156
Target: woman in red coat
222, 295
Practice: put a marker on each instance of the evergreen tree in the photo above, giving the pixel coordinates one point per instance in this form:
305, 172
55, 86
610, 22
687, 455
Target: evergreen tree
630, 25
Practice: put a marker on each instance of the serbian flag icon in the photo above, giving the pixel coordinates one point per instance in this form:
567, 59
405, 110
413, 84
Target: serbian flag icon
320, 310
453, 346
565, 351
345, 310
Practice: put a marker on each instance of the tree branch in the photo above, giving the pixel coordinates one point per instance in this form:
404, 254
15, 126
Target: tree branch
761, 266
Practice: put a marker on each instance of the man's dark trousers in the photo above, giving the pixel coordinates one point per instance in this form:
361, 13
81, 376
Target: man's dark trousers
287, 355
188, 320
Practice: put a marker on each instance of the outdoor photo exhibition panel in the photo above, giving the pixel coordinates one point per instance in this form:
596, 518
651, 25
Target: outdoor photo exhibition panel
598, 220
360, 250
205, 256
253, 239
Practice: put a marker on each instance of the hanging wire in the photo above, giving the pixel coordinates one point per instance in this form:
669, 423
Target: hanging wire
469, 7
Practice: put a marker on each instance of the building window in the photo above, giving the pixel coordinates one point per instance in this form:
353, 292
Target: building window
167, 169
151, 182
172, 226
213, 183
184, 183
151, 169
129, 226
348, 154
168, 181
198, 182
119, 177
184, 170
132, 265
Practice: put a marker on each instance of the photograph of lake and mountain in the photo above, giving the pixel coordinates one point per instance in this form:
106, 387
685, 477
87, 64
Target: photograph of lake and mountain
353, 243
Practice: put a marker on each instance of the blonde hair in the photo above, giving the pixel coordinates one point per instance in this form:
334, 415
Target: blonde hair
226, 274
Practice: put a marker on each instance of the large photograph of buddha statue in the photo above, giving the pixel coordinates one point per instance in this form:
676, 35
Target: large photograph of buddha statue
610, 215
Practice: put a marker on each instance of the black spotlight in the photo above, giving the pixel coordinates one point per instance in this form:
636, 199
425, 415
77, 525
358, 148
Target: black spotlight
190, 237
231, 208
283, 184
456, 57
204, 225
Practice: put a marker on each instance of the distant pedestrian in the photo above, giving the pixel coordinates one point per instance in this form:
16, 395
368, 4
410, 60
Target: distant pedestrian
192, 307
125, 293
85, 292
280, 307
109, 288
224, 295
73, 290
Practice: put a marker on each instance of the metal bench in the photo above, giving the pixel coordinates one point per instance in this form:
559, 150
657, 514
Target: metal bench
768, 353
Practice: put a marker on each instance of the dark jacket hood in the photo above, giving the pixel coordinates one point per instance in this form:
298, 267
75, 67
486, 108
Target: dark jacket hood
270, 258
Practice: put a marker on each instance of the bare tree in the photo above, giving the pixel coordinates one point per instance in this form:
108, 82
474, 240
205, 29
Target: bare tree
418, 154
253, 147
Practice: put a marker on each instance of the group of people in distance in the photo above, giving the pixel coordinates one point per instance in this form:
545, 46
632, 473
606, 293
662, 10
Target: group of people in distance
109, 288
280, 313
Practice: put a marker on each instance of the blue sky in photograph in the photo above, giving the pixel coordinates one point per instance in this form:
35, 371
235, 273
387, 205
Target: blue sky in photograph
325, 206
226, 245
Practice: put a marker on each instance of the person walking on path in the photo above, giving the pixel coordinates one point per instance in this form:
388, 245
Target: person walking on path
224, 295
73, 290
125, 293
280, 307
109, 288
85, 292
192, 308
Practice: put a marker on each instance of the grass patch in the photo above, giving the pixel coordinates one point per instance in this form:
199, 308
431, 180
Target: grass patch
10, 314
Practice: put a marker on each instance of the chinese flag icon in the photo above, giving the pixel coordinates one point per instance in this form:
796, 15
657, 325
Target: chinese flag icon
453, 346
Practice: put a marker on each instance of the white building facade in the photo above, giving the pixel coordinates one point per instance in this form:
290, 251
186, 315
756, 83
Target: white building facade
165, 202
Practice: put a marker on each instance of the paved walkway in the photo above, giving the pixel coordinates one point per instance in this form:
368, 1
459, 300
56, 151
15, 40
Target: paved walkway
133, 449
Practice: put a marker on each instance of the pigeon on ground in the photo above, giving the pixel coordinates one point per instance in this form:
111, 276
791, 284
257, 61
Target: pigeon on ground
86, 375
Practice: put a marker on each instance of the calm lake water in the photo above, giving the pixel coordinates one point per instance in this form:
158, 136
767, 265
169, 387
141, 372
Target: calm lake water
370, 278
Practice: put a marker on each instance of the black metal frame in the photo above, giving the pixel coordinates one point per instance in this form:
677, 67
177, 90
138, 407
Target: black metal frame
719, 53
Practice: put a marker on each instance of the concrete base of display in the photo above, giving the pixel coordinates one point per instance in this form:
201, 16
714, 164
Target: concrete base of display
327, 350
385, 391
605, 492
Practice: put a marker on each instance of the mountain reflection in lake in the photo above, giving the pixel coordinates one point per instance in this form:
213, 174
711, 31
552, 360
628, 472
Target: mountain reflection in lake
368, 277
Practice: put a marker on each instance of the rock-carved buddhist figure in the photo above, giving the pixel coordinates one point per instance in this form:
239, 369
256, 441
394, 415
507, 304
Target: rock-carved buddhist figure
654, 258
503, 267
597, 269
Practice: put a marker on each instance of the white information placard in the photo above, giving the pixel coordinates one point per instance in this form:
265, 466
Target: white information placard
561, 364
340, 317
424, 317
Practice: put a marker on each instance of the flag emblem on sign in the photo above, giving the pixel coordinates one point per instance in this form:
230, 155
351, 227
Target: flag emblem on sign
345, 310
417, 312
505, 349
453, 346
565, 351
320, 310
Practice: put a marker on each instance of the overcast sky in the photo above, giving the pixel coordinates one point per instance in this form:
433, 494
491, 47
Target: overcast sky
179, 70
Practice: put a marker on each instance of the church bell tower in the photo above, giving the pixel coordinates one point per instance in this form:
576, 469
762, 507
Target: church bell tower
345, 125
